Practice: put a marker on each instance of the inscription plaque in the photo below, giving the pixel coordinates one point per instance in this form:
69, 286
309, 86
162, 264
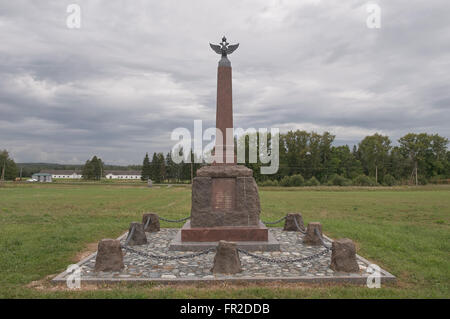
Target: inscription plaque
223, 194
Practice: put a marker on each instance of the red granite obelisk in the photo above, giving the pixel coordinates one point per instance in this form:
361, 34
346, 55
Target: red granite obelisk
225, 200
224, 115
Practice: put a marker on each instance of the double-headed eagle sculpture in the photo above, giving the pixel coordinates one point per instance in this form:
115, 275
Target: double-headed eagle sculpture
224, 48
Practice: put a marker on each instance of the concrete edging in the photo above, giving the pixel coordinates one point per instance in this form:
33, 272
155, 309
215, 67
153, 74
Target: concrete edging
349, 278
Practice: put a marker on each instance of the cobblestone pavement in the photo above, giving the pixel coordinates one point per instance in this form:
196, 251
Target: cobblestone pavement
138, 267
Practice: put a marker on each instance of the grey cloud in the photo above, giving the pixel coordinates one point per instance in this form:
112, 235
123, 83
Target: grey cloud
136, 70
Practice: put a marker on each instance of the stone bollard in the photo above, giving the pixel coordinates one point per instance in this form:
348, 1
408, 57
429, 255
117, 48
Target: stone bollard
138, 236
149, 183
311, 238
109, 256
226, 260
153, 223
289, 224
343, 256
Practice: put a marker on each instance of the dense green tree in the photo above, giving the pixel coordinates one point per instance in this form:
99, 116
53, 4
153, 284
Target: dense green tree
189, 168
146, 168
436, 156
295, 144
88, 170
172, 169
263, 146
325, 155
447, 165
98, 168
158, 168
93, 169
398, 166
256, 167
161, 166
154, 169
344, 163
374, 154
313, 160
425, 153
8, 168
308, 154
312, 154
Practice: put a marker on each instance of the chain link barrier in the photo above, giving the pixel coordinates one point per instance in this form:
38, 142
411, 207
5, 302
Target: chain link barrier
283, 260
146, 223
163, 257
130, 234
275, 222
303, 231
174, 220
291, 260
316, 231
209, 250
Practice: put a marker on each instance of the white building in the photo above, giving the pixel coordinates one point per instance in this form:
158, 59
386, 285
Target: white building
108, 174
122, 175
64, 174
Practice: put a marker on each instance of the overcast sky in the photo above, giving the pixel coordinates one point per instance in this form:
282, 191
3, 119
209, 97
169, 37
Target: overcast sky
136, 70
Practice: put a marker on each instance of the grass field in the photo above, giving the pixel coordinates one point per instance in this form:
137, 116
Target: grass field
43, 228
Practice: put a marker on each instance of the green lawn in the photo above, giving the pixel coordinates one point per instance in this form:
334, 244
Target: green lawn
404, 230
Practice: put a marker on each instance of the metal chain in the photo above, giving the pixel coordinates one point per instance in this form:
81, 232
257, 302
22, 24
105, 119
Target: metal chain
316, 231
275, 222
130, 234
174, 220
147, 255
298, 227
143, 254
281, 260
207, 251
147, 222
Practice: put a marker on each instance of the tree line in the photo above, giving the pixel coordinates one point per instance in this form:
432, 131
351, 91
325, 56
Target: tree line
309, 158
162, 168
312, 159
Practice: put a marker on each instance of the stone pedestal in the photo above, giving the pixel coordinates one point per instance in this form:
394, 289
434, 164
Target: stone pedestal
343, 256
109, 256
152, 222
225, 195
258, 233
289, 224
226, 260
311, 237
225, 206
138, 236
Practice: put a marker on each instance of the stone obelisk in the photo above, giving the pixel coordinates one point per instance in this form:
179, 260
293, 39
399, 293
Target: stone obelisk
225, 200
224, 114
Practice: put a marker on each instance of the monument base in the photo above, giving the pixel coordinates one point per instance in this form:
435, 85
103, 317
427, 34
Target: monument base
230, 233
248, 238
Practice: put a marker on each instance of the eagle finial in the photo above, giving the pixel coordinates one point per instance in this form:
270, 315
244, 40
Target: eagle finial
224, 48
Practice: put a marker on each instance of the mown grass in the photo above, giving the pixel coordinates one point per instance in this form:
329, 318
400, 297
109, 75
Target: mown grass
404, 230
